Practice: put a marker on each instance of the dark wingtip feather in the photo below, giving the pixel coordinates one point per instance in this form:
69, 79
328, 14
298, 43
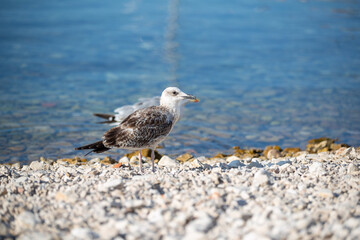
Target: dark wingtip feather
97, 147
109, 117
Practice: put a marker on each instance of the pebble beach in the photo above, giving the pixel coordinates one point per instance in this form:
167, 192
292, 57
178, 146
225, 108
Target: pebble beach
307, 196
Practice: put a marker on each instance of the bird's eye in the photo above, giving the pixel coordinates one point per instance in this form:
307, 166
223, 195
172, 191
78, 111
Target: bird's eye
175, 93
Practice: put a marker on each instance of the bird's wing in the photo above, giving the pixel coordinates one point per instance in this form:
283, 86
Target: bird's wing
143, 128
122, 112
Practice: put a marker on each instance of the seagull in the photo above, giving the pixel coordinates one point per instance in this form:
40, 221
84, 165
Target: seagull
146, 127
122, 112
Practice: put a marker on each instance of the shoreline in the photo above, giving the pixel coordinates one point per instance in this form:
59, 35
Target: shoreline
311, 195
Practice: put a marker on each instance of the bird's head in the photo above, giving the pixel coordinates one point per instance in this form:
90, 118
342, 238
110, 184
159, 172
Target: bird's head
173, 97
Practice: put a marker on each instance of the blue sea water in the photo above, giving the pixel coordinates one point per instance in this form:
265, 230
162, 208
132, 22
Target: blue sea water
266, 72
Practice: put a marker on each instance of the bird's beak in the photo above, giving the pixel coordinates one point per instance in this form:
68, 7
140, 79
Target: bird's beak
191, 98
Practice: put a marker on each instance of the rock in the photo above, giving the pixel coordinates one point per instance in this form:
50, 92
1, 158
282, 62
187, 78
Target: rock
254, 163
134, 160
145, 153
124, 161
166, 161
94, 160
352, 223
21, 179
261, 178
197, 164
82, 233
25, 220
3, 191
221, 165
118, 165
273, 153
108, 161
3, 229
110, 184
75, 161
232, 158
351, 152
284, 167
319, 145
185, 157
268, 148
219, 155
325, 193
282, 162
201, 224
17, 165
316, 168
235, 164
247, 153
255, 236
61, 196
289, 152
36, 165
35, 235
352, 169
108, 230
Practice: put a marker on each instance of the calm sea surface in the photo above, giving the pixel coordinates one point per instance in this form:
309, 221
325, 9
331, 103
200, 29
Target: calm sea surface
266, 72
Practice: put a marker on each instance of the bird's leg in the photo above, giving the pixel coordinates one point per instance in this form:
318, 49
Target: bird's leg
140, 162
152, 159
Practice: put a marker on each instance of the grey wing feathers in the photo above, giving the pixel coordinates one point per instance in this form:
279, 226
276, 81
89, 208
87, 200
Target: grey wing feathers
143, 128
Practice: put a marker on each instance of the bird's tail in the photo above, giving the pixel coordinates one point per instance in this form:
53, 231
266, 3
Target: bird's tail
97, 147
110, 118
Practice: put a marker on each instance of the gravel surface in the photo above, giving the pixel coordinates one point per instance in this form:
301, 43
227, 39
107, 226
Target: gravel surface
311, 196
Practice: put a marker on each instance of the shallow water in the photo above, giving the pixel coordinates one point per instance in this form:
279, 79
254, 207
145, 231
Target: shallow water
266, 72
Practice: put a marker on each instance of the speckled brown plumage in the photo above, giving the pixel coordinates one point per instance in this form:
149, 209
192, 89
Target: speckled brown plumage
144, 128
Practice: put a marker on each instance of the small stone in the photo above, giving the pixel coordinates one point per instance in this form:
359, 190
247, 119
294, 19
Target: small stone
94, 160
254, 163
291, 151
185, 157
319, 145
352, 169
3, 192
235, 164
197, 164
145, 153
166, 161
261, 178
134, 160
36, 165
283, 168
35, 235
273, 153
219, 155
255, 236
117, 165
268, 148
21, 179
232, 158
61, 196
124, 161
108, 230
3, 229
16, 165
107, 161
82, 233
75, 160
25, 220
110, 184
200, 224
221, 165
352, 223
325, 193
316, 168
